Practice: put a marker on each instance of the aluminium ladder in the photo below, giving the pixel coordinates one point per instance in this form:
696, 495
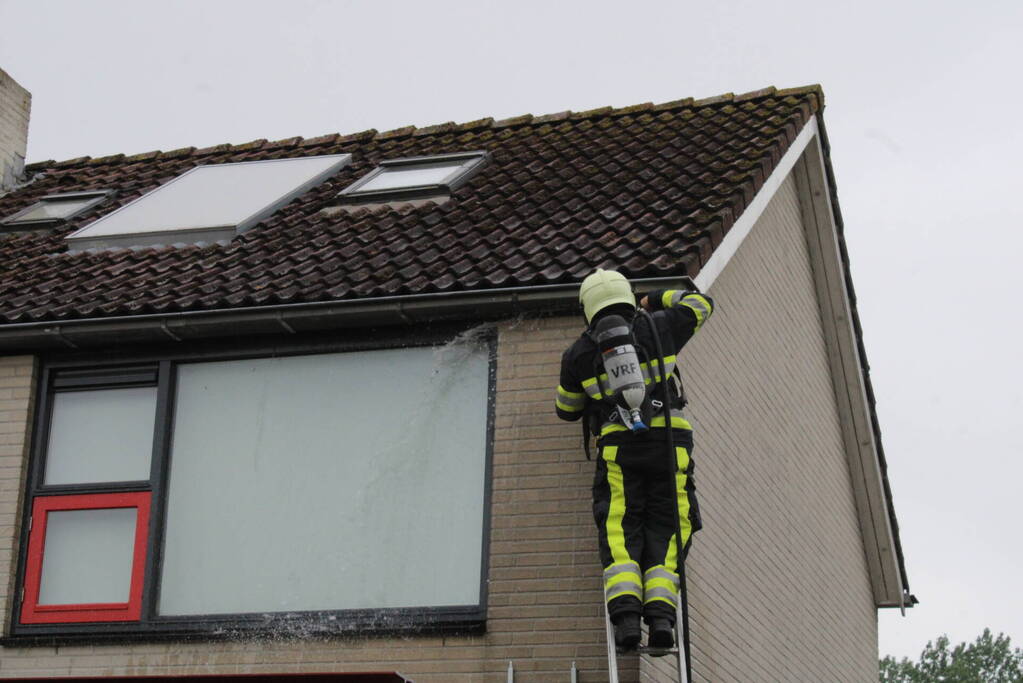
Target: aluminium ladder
679, 650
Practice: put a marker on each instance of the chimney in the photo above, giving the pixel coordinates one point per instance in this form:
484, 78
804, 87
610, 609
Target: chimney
15, 103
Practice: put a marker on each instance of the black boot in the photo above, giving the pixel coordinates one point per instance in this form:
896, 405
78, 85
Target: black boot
662, 633
627, 633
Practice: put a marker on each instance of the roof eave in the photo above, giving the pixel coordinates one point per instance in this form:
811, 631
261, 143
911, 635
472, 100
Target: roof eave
479, 305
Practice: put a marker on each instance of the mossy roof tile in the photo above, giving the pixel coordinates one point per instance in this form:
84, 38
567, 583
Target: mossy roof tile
561, 194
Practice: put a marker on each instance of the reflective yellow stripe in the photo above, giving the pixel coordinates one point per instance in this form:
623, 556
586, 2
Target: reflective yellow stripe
658, 421
575, 395
685, 526
681, 478
666, 298
623, 588
610, 427
668, 365
623, 577
630, 568
567, 408
659, 583
699, 306
676, 422
661, 594
592, 388
616, 512
570, 401
661, 572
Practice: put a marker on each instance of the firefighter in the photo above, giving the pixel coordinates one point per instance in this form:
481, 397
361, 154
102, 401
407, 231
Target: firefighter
636, 487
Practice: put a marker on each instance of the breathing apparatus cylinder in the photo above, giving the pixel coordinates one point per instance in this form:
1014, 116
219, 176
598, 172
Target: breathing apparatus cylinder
621, 363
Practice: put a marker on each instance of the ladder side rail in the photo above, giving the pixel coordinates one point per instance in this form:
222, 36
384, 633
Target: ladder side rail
682, 634
612, 651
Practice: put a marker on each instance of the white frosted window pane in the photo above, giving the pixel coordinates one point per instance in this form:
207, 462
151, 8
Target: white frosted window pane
100, 436
327, 482
55, 209
212, 196
409, 177
88, 556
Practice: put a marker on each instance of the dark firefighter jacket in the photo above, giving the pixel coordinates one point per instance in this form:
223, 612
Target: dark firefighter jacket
584, 387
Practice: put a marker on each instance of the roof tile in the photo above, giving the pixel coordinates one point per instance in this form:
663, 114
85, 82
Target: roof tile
358, 137
434, 130
514, 121
285, 143
145, 156
215, 149
553, 118
561, 194
255, 144
396, 133
179, 152
77, 161
321, 140
476, 125
590, 114
633, 109
755, 94
674, 104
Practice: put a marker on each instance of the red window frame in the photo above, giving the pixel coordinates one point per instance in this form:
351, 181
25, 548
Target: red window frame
34, 613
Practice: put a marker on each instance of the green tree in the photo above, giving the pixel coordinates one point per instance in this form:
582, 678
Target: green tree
988, 659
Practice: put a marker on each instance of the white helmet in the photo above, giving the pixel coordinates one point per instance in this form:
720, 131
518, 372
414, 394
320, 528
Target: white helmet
603, 288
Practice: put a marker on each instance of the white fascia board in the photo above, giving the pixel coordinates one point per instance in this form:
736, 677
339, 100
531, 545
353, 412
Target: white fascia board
733, 239
850, 381
848, 376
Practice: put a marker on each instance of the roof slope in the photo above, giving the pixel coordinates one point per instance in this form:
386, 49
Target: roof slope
648, 189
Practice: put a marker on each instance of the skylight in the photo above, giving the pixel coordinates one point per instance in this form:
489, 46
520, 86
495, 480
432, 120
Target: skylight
209, 203
415, 177
54, 209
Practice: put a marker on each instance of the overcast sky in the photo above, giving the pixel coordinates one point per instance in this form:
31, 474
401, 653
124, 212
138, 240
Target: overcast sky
923, 112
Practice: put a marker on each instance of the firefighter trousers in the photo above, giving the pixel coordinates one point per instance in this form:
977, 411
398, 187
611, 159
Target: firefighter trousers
634, 491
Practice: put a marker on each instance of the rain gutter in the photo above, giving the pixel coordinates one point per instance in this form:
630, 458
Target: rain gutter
413, 309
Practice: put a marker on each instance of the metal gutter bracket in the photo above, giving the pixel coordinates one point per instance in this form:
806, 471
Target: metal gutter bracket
56, 331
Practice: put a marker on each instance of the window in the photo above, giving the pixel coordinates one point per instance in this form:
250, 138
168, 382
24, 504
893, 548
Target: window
208, 203
94, 547
415, 177
342, 490
53, 210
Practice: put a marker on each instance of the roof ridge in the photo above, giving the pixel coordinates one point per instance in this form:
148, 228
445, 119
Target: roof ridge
814, 91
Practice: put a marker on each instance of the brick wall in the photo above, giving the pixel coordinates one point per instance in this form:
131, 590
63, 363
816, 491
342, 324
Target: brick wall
544, 590
779, 586
17, 398
15, 104
779, 589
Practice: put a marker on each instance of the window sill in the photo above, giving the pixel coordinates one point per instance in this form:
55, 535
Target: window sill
316, 625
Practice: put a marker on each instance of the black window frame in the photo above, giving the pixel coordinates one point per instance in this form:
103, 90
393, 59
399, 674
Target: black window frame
96, 370
471, 164
14, 224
